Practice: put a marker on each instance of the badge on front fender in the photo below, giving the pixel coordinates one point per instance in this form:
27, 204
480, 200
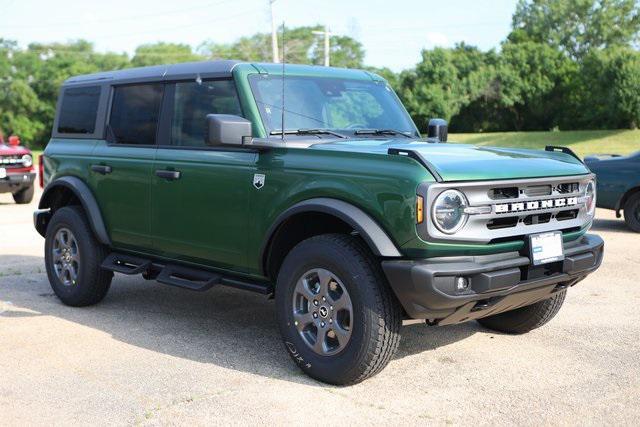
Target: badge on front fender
258, 180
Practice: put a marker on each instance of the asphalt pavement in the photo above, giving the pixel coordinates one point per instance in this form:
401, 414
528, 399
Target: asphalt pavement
152, 354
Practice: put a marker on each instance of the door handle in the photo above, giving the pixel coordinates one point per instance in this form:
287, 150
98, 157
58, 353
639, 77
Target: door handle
168, 175
101, 169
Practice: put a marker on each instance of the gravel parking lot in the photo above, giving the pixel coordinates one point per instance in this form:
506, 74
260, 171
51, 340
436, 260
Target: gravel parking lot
151, 354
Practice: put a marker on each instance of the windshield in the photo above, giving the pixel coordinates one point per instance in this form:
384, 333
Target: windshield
329, 103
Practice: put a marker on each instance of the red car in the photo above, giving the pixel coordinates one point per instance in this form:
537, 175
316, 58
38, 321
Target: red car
16, 170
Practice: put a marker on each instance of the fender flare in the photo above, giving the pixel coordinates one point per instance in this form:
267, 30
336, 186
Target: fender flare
373, 235
88, 201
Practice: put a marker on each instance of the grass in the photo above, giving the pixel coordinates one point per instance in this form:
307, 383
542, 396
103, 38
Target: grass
583, 142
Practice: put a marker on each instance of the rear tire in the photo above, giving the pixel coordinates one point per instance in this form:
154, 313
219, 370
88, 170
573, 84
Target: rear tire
361, 335
525, 319
632, 212
73, 257
24, 196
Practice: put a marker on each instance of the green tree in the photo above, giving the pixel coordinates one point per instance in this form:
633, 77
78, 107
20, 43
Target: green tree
532, 81
163, 53
41, 69
301, 47
607, 93
576, 26
445, 81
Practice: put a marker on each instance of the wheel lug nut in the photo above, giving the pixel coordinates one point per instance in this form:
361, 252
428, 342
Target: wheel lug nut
322, 324
315, 302
331, 307
330, 320
324, 299
315, 315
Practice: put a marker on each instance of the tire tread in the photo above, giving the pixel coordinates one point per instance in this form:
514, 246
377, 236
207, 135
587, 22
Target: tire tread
525, 319
100, 279
383, 340
629, 217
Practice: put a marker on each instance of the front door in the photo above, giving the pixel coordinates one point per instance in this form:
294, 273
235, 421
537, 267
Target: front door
200, 193
122, 165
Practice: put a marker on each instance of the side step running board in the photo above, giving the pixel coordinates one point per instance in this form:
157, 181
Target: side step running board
188, 278
125, 264
177, 275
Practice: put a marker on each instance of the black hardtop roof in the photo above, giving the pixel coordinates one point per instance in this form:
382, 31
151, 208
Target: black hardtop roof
204, 70
186, 70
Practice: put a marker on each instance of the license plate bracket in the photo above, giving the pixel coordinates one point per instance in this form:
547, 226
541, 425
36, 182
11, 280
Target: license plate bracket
546, 247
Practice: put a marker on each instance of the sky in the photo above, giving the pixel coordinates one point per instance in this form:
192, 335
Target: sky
392, 32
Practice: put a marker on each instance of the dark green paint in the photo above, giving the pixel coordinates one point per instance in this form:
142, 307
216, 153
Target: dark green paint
616, 177
213, 216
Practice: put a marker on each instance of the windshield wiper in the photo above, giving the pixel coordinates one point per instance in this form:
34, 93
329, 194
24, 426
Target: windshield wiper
307, 132
382, 132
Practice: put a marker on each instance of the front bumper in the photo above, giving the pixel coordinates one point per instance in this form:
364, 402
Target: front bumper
15, 182
497, 283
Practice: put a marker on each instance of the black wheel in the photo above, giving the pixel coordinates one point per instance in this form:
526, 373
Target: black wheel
632, 212
73, 257
24, 196
338, 317
525, 319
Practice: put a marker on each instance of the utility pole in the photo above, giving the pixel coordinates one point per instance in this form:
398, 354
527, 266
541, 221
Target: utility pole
327, 45
274, 34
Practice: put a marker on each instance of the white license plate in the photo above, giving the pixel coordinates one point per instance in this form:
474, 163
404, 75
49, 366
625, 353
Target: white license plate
3, 173
546, 247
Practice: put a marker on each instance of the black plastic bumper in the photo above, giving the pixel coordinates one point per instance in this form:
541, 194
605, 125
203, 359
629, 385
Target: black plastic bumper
15, 182
497, 283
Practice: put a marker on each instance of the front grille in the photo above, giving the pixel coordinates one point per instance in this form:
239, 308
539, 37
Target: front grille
504, 193
567, 215
497, 223
508, 209
568, 188
537, 219
12, 161
538, 190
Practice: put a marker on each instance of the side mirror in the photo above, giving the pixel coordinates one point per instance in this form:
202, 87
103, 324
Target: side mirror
226, 129
438, 130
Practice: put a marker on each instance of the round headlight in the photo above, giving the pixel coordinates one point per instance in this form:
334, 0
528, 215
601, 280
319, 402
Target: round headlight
590, 197
448, 211
27, 160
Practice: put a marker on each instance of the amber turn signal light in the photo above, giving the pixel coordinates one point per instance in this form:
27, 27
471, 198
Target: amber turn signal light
419, 209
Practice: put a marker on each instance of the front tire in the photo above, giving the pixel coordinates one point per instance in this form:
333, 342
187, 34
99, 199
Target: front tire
73, 257
338, 318
24, 196
525, 319
632, 212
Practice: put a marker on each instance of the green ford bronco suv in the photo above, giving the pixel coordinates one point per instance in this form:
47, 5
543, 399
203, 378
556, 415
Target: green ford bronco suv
314, 187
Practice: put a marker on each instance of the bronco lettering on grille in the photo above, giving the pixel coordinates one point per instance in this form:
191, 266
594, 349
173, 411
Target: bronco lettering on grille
536, 205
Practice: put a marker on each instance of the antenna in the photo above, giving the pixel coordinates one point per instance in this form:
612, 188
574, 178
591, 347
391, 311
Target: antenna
284, 60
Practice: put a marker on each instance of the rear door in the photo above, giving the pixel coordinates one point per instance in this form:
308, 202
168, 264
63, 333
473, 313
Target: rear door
200, 193
123, 165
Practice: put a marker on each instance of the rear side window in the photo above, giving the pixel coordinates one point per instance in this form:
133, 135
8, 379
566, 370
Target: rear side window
134, 114
79, 109
193, 101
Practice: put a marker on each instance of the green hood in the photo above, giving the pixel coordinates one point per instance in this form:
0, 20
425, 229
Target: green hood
464, 162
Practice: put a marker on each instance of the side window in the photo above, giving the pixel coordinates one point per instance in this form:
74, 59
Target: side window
134, 113
79, 109
193, 101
